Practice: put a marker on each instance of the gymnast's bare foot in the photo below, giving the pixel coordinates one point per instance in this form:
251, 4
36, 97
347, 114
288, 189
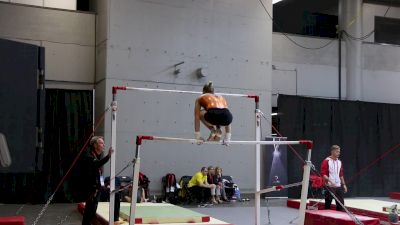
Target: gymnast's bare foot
218, 134
213, 133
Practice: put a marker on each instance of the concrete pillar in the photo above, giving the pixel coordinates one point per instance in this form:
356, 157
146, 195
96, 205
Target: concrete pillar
350, 21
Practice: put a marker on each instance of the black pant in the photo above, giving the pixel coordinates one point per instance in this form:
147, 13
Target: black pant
90, 209
338, 191
221, 117
117, 206
201, 194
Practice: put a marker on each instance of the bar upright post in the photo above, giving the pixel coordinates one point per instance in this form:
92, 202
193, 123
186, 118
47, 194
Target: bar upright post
258, 166
112, 161
135, 181
304, 188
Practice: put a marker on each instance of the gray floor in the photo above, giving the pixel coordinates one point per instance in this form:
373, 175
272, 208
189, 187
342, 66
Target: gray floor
243, 213
66, 214
238, 213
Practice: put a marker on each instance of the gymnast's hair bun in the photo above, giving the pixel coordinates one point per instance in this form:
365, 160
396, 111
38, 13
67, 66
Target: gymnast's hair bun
208, 88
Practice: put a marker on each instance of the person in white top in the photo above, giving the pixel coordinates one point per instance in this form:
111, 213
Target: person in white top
332, 174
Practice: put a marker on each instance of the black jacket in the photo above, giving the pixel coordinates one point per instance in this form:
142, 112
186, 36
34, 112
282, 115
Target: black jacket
90, 169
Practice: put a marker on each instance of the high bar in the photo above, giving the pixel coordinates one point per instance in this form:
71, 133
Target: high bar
115, 88
139, 139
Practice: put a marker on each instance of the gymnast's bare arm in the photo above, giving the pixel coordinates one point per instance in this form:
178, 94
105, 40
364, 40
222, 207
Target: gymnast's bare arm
197, 108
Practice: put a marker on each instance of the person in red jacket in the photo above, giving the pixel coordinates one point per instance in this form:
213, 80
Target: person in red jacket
332, 174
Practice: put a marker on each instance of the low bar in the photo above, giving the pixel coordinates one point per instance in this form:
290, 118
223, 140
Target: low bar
279, 187
139, 140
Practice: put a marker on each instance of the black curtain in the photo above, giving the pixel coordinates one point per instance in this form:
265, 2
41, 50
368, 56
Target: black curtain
68, 125
363, 130
17, 188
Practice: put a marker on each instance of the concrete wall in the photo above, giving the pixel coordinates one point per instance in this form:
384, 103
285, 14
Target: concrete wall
59, 4
315, 72
144, 39
231, 40
381, 74
102, 9
305, 72
68, 38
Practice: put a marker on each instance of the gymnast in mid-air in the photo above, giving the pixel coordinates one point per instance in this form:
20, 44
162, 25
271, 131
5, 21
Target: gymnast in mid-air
212, 110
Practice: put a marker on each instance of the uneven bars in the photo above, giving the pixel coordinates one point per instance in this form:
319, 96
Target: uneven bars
115, 88
140, 138
114, 127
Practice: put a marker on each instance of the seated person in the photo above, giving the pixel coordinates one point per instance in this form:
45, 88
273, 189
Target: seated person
140, 197
211, 179
200, 188
220, 184
143, 189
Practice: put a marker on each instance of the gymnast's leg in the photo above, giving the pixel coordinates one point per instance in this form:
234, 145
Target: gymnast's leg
204, 121
215, 134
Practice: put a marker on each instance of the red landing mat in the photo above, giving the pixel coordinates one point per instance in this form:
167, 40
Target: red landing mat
291, 203
333, 217
394, 195
12, 220
366, 207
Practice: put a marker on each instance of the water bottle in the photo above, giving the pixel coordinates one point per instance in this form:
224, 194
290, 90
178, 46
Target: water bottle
237, 194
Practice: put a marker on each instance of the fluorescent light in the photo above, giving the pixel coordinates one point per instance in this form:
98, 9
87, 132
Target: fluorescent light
274, 114
275, 1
